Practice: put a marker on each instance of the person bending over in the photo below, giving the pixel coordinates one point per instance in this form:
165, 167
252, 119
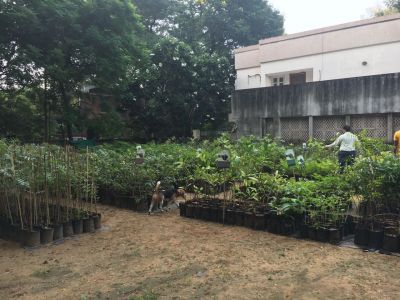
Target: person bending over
347, 151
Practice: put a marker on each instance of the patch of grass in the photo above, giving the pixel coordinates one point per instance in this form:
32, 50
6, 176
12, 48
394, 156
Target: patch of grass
51, 272
145, 296
44, 273
84, 297
345, 266
132, 254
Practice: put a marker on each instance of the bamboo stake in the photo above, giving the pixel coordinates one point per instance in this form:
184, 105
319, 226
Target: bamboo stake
46, 193
15, 188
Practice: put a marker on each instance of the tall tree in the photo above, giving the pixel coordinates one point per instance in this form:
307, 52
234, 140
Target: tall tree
189, 78
223, 25
72, 42
154, 13
392, 7
394, 4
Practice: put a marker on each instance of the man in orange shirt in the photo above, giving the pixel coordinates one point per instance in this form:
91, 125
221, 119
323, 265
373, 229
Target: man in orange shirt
397, 142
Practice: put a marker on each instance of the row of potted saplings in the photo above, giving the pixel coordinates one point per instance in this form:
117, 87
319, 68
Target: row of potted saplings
134, 200
260, 217
381, 232
51, 223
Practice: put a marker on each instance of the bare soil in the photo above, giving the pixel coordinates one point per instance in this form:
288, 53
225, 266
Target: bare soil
164, 256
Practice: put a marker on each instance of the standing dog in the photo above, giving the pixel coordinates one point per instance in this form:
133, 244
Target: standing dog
157, 198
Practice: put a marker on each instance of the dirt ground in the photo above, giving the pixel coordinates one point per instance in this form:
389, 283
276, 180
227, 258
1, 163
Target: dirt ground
165, 256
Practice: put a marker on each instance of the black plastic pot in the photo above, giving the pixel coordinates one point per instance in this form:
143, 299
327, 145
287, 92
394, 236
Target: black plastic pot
142, 205
259, 221
197, 211
334, 236
46, 235
189, 210
88, 225
239, 217
361, 237
131, 203
14, 232
77, 225
342, 230
312, 233
58, 233
221, 215
391, 242
375, 239
303, 231
123, 202
68, 229
30, 238
182, 209
349, 226
230, 217
97, 221
249, 219
206, 213
3, 229
214, 214
273, 224
286, 226
266, 217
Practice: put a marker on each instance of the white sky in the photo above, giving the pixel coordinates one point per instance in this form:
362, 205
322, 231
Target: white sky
301, 15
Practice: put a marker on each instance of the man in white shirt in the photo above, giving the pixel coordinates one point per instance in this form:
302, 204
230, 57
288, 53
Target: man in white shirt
347, 150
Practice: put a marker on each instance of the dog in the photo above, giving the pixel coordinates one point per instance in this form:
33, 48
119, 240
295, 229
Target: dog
170, 195
157, 198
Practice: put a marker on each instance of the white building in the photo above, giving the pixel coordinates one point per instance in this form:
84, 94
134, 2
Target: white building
362, 48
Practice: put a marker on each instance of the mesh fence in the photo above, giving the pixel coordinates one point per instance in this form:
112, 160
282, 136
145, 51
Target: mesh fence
376, 126
326, 128
396, 122
294, 129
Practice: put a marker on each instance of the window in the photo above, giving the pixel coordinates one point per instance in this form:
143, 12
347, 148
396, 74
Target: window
277, 81
298, 78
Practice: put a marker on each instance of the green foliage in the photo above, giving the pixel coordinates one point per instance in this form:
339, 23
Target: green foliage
188, 79
67, 44
391, 7
168, 63
20, 116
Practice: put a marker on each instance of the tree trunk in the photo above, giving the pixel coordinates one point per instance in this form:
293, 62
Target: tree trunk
46, 115
67, 110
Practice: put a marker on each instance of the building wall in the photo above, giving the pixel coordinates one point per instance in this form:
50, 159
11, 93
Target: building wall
247, 79
329, 53
320, 108
358, 34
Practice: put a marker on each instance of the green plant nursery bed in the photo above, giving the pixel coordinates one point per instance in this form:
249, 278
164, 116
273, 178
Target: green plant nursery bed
259, 217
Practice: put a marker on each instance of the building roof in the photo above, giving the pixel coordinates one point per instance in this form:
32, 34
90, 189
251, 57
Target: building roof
320, 31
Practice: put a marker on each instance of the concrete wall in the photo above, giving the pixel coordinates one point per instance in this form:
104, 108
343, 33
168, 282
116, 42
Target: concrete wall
370, 95
330, 53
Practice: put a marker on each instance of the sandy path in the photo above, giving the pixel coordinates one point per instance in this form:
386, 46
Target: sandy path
169, 257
